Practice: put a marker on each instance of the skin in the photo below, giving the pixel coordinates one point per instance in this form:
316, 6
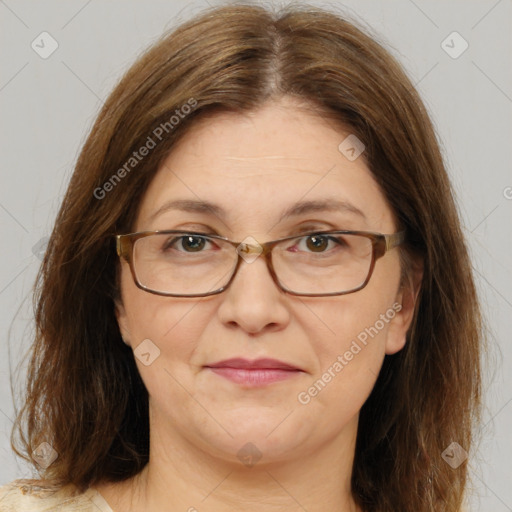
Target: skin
254, 166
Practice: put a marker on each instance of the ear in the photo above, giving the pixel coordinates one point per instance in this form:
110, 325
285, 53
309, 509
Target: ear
404, 306
122, 321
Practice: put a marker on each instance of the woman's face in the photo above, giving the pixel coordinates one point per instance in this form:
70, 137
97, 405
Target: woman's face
253, 168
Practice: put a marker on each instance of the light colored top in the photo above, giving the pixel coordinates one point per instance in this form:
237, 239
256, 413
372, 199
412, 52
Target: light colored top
33, 496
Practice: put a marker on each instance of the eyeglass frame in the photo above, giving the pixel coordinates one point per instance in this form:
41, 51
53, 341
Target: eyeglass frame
381, 244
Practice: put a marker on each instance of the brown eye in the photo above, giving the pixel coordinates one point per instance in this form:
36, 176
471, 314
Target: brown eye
186, 243
316, 243
192, 243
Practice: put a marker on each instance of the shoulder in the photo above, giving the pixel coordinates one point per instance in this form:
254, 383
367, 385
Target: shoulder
35, 496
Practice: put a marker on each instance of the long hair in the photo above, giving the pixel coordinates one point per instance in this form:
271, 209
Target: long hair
84, 394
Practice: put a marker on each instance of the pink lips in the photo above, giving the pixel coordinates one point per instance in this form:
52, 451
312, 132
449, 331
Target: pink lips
254, 373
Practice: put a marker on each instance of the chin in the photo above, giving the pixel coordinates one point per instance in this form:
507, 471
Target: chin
252, 433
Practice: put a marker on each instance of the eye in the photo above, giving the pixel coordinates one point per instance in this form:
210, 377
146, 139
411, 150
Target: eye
187, 243
316, 243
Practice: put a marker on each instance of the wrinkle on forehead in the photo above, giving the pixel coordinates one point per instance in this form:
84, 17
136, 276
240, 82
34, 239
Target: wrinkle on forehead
267, 164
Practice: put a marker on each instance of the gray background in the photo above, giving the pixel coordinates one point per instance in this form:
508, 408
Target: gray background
47, 107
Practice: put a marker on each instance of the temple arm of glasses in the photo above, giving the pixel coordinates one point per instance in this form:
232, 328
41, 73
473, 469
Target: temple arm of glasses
394, 240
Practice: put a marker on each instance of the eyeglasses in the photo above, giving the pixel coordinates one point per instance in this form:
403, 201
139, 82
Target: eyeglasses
315, 264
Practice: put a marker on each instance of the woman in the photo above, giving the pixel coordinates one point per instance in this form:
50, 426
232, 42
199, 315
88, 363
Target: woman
257, 295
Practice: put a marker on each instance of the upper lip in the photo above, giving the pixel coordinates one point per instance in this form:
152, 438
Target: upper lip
262, 364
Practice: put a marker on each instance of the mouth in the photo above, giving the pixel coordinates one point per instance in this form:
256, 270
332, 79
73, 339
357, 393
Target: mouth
259, 372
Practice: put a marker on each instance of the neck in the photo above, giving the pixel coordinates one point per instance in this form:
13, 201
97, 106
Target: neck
186, 478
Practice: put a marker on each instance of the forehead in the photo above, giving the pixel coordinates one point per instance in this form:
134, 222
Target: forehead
257, 164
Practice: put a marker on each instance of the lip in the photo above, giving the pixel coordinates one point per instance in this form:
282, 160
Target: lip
259, 372
256, 364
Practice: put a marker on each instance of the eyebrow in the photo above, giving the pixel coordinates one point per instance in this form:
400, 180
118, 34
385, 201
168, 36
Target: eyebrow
300, 208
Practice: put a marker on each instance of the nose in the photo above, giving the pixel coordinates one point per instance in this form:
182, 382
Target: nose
253, 301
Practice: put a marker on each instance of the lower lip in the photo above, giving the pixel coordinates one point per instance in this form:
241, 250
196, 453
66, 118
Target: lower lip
255, 377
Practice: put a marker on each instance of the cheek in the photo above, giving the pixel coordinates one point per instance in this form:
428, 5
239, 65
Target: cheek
349, 339
348, 369
167, 326
332, 326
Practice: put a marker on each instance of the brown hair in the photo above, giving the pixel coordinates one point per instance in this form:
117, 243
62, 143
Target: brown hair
84, 393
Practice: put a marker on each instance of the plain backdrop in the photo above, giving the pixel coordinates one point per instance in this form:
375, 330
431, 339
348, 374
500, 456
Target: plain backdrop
47, 106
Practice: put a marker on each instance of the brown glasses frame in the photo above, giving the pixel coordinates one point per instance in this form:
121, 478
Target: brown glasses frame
381, 243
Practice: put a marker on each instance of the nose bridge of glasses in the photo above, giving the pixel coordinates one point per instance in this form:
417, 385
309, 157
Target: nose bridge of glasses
249, 249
